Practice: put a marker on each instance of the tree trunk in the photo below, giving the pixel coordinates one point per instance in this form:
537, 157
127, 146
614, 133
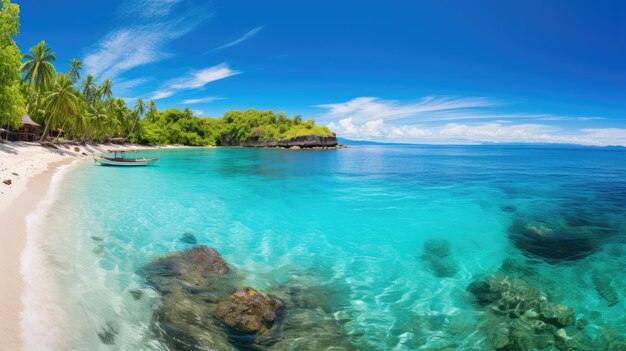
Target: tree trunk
45, 131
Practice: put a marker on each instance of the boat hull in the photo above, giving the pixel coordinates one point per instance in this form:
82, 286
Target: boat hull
125, 163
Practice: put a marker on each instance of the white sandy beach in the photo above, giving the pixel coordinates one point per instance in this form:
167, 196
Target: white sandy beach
29, 167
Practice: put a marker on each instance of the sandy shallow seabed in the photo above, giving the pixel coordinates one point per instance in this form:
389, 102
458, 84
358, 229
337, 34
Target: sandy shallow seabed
30, 168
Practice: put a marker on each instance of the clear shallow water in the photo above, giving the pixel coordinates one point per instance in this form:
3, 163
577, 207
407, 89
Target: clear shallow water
351, 222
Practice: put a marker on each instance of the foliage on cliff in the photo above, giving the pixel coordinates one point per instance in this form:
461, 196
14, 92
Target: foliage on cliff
175, 127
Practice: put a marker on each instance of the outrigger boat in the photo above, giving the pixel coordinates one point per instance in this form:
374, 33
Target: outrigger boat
119, 159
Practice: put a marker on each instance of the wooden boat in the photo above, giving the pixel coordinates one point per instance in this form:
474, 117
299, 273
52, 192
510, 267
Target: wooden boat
119, 158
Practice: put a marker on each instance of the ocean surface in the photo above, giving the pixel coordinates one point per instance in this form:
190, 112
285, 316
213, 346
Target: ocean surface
381, 242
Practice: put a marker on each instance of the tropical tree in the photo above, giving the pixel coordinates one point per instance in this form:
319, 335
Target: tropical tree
138, 113
11, 99
105, 89
38, 67
75, 67
151, 114
89, 88
62, 103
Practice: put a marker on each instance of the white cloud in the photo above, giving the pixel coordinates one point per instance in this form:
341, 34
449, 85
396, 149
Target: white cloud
195, 80
430, 109
143, 40
455, 133
439, 121
370, 108
198, 112
202, 100
245, 37
162, 94
203, 77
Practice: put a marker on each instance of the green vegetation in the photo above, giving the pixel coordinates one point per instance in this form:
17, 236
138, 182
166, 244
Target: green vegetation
88, 111
11, 100
175, 127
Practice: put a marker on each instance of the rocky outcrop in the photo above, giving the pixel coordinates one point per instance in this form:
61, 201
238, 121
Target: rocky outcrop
306, 141
553, 242
249, 311
519, 317
204, 307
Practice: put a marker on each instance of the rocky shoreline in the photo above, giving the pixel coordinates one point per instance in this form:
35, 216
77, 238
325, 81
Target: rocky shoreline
311, 142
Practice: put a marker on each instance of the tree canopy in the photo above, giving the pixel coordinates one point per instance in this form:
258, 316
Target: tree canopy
11, 100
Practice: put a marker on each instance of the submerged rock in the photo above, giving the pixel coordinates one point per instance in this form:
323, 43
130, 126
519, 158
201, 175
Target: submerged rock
189, 238
249, 311
107, 334
204, 308
602, 283
508, 208
519, 316
551, 242
197, 269
437, 256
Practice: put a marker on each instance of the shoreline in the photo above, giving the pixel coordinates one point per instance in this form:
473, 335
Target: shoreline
13, 245
31, 169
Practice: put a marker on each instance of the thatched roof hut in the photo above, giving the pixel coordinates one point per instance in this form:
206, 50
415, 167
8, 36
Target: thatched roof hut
27, 121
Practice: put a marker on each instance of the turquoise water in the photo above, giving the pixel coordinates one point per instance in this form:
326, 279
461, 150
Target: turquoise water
351, 223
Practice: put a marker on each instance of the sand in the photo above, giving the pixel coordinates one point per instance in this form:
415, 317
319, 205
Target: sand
30, 168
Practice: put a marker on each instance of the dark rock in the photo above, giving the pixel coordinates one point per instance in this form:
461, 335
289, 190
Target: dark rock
249, 311
7, 182
189, 238
437, 247
197, 269
137, 294
519, 317
15, 174
107, 335
603, 286
185, 322
436, 255
508, 208
551, 243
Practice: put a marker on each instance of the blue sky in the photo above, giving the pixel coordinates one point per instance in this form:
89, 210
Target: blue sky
406, 71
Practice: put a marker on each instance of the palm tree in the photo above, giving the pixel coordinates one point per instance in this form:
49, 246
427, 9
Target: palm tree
105, 89
38, 66
140, 110
151, 114
61, 103
89, 88
75, 67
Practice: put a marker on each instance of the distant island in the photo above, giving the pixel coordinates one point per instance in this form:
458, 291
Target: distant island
250, 128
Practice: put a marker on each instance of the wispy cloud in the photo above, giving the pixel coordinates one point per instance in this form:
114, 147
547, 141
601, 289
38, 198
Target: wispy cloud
203, 77
202, 100
431, 109
195, 80
243, 38
148, 8
198, 112
144, 39
162, 94
370, 108
457, 120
